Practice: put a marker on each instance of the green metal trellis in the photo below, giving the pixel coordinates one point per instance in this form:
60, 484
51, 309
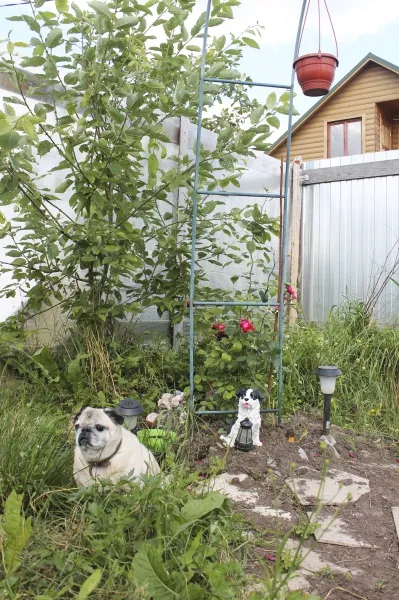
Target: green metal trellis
198, 193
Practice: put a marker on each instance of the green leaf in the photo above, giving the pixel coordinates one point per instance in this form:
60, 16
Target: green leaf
54, 38
271, 101
256, 114
15, 529
33, 24
251, 42
60, 189
10, 47
150, 574
5, 126
394, 281
76, 10
196, 508
273, 121
251, 246
180, 92
10, 140
126, 21
152, 165
199, 24
33, 61
61, 5
89, 585
220, 43
29, 129
44, 359
192, 48
100, 8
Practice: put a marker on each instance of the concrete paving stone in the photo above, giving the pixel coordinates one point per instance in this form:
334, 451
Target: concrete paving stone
298, 582
313, 562
222, 483
335, 531
335, 489
268, 511
395, 514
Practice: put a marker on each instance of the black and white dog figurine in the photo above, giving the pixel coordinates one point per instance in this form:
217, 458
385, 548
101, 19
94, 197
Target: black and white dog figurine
248, 408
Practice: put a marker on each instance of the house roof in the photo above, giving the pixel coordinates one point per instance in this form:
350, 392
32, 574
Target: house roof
369, 58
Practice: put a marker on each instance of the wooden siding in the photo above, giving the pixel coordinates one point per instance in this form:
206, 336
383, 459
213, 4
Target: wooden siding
357, 98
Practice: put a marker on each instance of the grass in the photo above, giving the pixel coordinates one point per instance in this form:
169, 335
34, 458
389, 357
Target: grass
367, 394
164, 541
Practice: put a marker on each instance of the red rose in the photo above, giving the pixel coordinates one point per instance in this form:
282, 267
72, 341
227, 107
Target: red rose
215, 326
246, 326
222, 327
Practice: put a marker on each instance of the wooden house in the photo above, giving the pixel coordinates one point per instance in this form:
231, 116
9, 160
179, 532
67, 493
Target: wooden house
360, 114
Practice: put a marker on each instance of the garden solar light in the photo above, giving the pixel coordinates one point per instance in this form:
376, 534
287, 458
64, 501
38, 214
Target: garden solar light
328, 378
244, 440
129, 409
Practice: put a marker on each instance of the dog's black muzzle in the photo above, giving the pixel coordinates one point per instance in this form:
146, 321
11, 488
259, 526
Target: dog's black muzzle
84, 437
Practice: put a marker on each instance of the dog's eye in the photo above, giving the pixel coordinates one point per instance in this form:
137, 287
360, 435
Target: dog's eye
100, 427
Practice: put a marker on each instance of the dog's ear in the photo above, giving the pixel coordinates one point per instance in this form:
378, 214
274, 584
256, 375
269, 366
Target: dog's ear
114, 416
258, 395
241, 393
76, 417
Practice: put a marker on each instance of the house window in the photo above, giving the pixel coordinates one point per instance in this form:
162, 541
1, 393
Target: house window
344, 138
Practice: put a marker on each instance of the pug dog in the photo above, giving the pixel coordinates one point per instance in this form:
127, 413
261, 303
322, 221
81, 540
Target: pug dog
106, 450
248, 408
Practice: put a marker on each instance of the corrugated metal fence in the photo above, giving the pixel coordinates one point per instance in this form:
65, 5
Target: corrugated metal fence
349, 233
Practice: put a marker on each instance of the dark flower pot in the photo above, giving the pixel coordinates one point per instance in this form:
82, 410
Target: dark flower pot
315, 73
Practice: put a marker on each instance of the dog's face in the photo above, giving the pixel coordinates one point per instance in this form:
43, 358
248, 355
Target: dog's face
97, 428
249, 399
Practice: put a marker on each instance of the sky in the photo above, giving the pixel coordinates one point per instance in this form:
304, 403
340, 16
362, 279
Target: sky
361, 26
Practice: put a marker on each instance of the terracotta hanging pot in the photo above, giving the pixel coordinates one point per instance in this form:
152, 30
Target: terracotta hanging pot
315, 73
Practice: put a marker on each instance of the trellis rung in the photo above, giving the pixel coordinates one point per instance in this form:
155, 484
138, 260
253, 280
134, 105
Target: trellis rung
242, 194
252, 83
221, 303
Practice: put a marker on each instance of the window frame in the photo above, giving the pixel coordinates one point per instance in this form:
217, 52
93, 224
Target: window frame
344, 122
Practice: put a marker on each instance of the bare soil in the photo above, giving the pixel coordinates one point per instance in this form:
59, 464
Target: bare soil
369, 519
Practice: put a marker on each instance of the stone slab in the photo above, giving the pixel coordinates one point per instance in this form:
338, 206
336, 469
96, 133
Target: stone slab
334, 490
298, 582
313, 562
335, 531
268, 511
395, 514
222, 483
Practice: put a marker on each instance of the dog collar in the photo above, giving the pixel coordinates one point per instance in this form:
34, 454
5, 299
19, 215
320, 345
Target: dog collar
104, 462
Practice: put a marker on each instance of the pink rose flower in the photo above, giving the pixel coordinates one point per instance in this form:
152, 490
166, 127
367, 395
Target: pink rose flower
246, 326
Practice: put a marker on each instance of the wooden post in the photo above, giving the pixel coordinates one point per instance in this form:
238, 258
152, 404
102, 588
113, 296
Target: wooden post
295, 238
180, 199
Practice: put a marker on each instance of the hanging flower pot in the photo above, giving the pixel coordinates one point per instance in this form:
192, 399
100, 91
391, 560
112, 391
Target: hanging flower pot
315, 72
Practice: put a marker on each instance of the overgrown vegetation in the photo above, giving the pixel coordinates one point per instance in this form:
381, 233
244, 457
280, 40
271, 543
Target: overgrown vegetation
163, 541
366, 397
